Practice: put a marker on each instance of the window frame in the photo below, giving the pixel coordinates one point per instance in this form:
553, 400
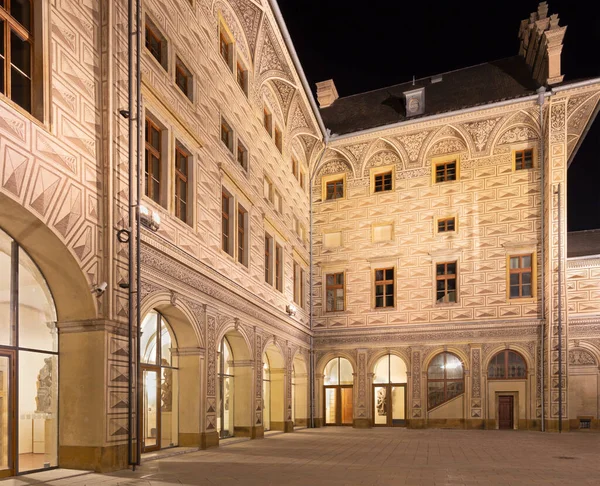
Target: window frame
278, 138
445, 221
225, 125
180, 67
179, 176
375, 172
268, 120
241, 70
532, 271
506, 352
384, 283
333, 178
149, 149
523, 149
299, 285
227, 219
241, 148
242, 235
445, 160
268, 258
446, 277
445, 380
225, 38
278, 254
333, 288
151, 28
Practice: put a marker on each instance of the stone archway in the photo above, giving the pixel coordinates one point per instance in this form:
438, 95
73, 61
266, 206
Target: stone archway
299, 391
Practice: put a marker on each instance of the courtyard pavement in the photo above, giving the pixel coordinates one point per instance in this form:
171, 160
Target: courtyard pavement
336, 456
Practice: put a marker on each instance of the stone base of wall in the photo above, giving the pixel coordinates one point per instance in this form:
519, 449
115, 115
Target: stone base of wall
319, 422
288, 426
575, 424
209, 439
257, 432
301, 422
98, 459
362, 423
189, 439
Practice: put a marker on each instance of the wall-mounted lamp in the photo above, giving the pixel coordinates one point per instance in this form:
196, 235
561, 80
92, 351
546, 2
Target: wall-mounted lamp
291, 310
150, 219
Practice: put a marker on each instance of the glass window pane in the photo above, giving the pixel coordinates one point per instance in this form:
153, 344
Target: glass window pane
5, 252
435, 393
6, 388
148, 338
37, 314
514, 262
454, 368
398, 403
398, 372
151, 416
346, 377
381, 405
378, 301
526, 291
389, 274
20, 89
527, 261
37, 414
382, 370
378, 275
389, 301
20, 53
526, 278
436, 368
165, 344
454, 388
330, 405
514, 291
169, 423
21, 11
514, 279
331, 373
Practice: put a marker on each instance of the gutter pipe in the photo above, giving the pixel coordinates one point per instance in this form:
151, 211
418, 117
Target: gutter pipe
541, 98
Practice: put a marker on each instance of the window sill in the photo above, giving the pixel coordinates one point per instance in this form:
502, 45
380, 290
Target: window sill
522, 300
383, 309
445, 304
22, 111
155, 61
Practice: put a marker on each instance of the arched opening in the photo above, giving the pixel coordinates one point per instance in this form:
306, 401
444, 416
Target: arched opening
29, 359
273, 389
445, 379
235, 374
338, 383
299, 392
507, 388
389, 391
160, 379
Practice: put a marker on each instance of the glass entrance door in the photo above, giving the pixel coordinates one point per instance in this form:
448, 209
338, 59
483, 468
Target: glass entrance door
151, 428
338, 405
7, 436
389, 407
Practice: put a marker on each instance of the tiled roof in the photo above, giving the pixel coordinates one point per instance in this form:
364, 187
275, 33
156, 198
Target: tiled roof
583, 243
477, 85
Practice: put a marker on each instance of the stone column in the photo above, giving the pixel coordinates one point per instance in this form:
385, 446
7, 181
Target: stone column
93, 379
361, 417
416, 419
258, 405
555, 167
210, 435
190, 396
289, 424
475, 420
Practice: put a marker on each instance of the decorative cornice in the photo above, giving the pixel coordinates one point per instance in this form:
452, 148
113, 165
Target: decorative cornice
114, 327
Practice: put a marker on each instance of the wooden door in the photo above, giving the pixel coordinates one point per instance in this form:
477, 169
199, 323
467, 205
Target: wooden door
505, 412
346, 406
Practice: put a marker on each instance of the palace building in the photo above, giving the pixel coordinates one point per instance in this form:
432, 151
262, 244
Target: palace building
392, 258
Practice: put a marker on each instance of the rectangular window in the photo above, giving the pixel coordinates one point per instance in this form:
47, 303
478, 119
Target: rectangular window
242, 76
16, 52
383, 182
384, 287
156, 44
446, 224
334, 189
523, 159
521, 276
294, 167
268, 121
445, 171
445, 275
225, 222
181, 184
299, 285
183, 78
278, 139
152, 164
334, 288
302, 179
268, 189
224, 47
227, 135
242, 155
277, 201
279, 268
268, 267
241, 235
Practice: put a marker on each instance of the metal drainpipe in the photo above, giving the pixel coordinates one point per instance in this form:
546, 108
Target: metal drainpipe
560, 373
541, 98
138, 116
310, 306
132, 210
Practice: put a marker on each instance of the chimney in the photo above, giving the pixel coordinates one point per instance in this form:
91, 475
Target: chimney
541, 45
326, 93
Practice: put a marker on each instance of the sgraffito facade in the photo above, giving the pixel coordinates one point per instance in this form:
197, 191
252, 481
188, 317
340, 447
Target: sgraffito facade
417, 231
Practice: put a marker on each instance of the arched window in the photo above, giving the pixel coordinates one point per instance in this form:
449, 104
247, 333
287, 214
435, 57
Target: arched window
225, 370
29, 359
159, 369
338, 379
507, 365
266, 392
389, 391
445, 379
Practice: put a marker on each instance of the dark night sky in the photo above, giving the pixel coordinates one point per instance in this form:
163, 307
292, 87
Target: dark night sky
387, 42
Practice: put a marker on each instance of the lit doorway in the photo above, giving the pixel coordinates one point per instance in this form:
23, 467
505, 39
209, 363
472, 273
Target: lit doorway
338, 392
225, 425
29, 359
160, 382
389, 391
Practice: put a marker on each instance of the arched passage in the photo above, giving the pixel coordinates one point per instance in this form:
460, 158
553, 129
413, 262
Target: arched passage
338, 392
299, 392
273, 388
235, 372
389, 391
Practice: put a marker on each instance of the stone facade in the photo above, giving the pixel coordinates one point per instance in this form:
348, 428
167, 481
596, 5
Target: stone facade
64, 194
